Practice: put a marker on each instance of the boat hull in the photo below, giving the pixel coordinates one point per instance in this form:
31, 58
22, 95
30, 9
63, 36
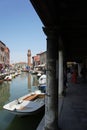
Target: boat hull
28, 113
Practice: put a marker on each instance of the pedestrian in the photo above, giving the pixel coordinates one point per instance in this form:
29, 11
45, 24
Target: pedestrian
74, 76
68, 77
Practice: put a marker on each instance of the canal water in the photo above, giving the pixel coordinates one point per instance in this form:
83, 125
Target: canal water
10, 90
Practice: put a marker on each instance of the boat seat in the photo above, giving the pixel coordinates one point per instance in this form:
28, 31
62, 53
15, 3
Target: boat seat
31, 97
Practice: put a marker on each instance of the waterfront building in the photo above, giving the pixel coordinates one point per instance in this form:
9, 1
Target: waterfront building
36, 60
43, 58
4, 55
39, 61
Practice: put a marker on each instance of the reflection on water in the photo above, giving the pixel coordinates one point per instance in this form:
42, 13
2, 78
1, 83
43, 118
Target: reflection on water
24, 123
4, 93
19, 86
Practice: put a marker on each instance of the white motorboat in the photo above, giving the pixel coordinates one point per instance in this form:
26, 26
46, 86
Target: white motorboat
8, 78
42, 83
42, 80
39, 74
27, 105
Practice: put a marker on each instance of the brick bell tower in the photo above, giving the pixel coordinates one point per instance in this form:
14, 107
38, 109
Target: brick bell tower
29, 57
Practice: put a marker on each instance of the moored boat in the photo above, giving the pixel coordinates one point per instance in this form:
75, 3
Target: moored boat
42, 83
27, 105
8, 78
39, 74
42, 80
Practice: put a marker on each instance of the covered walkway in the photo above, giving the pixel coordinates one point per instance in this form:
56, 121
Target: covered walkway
73, 108
73, 114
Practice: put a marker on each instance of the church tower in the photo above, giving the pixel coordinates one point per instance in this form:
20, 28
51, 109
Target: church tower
29, 57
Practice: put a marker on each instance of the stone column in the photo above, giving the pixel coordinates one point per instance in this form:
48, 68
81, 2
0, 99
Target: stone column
60, 72
51, 100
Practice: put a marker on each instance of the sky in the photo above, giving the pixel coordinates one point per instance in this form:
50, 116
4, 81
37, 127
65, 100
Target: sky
21, 29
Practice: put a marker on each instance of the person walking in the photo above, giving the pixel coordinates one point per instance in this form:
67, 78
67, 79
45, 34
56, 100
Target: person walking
74, 76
